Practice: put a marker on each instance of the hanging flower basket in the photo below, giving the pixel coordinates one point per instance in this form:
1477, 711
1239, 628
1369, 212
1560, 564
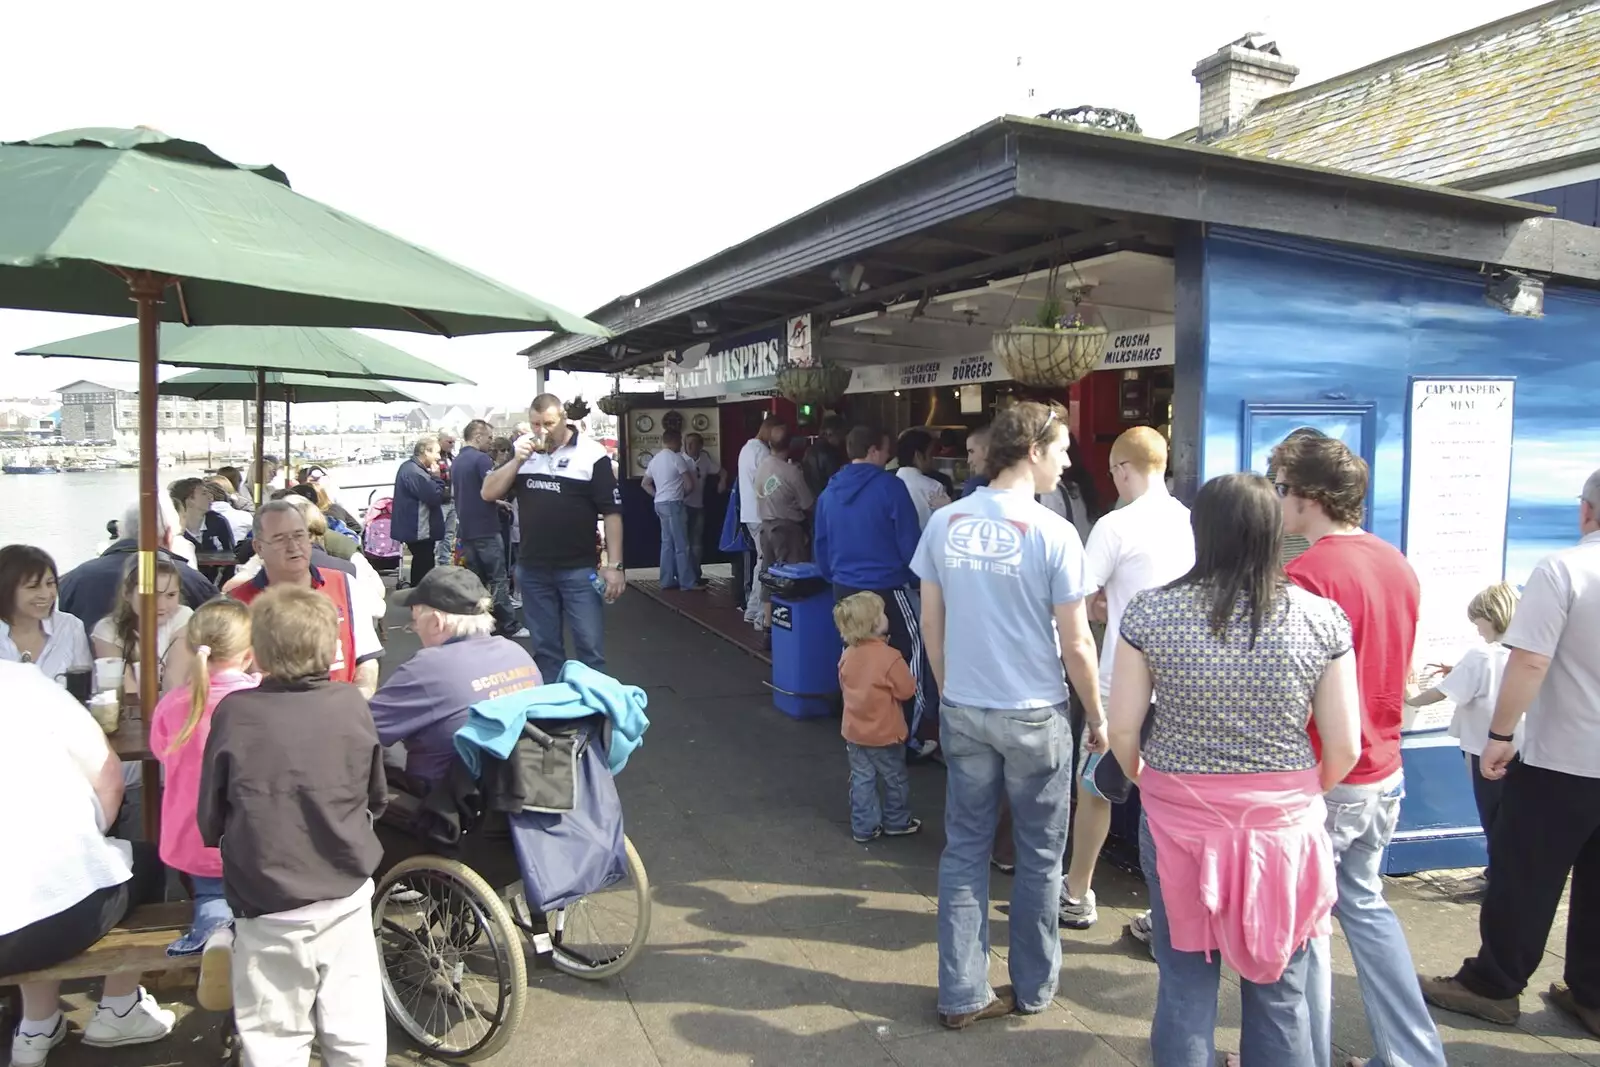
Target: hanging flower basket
576, 410
820, 385
1047, 357
614, 404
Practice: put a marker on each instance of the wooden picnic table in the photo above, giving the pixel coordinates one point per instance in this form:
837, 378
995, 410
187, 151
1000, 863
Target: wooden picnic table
215, 559
131, 741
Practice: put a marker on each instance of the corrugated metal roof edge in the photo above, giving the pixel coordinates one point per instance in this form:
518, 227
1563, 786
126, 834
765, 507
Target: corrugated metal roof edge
1048, 128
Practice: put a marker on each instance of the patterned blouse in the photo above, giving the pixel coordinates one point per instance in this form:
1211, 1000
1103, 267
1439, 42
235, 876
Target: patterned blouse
1221, 706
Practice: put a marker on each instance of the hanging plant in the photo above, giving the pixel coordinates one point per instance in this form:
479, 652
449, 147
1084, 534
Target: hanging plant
820, 384
1057, 348
576, 409
614, 404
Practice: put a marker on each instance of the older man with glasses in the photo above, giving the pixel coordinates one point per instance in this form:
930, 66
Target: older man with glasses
283, 542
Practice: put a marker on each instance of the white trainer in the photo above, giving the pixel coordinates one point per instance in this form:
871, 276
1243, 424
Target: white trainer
215, 991
146, 1021
31, 1050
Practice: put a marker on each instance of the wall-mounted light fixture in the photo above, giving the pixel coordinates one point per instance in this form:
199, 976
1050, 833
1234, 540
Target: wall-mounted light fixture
701, 323
1516, 293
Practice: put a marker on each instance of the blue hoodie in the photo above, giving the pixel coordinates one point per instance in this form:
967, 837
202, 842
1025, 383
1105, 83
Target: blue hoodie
866, 529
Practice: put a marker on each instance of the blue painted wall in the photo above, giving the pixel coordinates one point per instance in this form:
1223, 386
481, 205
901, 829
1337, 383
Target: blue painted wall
1579, 202
1293, 322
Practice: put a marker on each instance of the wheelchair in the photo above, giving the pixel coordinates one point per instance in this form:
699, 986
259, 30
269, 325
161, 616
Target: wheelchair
452, 934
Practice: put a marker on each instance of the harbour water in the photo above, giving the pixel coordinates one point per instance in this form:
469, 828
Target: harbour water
66, 514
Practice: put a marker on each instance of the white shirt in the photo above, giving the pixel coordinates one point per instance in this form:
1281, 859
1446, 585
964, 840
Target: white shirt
239, 522
1473, 686
66, 646
666, 471
750, 457
706, 468
924, 491
1146, 543
1559, 616
51, 751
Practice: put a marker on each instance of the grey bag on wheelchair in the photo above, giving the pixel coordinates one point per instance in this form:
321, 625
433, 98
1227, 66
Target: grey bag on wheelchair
564, 857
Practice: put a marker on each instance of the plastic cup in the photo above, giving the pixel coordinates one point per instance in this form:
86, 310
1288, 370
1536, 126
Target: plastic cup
107, 674
107, 710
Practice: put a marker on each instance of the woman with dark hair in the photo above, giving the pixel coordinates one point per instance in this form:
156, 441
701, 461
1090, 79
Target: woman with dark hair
33, 628
1233, 840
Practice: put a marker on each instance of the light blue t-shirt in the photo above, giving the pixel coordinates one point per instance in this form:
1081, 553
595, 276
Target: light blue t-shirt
1004, 562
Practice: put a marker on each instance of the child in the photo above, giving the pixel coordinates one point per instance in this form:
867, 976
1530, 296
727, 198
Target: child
1474, 685
116, 636
293, 782
219, 634
875, 680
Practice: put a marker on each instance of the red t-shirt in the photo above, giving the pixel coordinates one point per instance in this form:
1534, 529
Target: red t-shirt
1373, 583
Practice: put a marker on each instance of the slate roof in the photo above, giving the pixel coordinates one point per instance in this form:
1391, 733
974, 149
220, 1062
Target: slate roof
1516, 97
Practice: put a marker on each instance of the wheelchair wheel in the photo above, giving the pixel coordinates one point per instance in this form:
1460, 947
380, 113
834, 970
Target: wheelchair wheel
601, 935
454, 976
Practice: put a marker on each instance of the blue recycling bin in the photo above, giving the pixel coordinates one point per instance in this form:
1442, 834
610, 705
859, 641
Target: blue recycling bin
805, 644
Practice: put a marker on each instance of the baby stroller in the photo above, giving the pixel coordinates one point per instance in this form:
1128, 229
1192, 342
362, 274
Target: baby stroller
381, 550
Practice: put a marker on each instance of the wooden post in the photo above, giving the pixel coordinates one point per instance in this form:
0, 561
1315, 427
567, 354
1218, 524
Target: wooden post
146, 289
261, 434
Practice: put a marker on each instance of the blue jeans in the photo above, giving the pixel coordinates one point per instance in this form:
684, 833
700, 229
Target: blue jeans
697, 538
677, 565
869, 765
1275, 1022
551, 596
445, 550
1361, 819
1026, 757
211, 913
486, 557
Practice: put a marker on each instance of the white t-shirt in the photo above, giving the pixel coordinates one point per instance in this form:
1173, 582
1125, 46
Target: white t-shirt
924, 492
1473, 686
1146, 543
51, 750
666, 471
106, 630
750, 457
1559, 616
706, 468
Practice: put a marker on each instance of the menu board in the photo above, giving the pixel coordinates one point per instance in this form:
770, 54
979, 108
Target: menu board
644, 427
1458, 488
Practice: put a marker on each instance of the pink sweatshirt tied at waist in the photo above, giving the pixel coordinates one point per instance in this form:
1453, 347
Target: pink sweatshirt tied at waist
1245, 863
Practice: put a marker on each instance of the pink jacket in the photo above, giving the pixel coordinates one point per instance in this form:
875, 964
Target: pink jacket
1245, 862
181, 848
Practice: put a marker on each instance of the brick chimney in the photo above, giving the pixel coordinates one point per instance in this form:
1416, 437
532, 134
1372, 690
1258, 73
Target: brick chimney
1234, 78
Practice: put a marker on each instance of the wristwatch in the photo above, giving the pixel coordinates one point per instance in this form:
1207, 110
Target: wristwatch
1500, 737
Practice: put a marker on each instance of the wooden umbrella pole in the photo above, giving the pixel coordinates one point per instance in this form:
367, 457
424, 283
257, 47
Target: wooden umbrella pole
146, 290
261, 434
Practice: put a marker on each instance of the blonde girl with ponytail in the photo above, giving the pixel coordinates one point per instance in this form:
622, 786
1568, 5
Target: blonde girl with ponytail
218, 635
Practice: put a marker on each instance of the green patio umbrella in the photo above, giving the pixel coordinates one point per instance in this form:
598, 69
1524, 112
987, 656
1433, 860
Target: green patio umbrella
309, 350
91, 219
288, 389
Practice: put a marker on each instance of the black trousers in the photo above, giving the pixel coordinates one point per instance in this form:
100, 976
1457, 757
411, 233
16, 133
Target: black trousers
1486, 793
1548, 825
422, 558
59, 937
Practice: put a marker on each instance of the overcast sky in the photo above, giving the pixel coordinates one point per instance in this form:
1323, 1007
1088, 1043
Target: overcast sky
579, 151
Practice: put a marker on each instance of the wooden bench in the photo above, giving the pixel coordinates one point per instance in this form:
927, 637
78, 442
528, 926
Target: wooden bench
138, 943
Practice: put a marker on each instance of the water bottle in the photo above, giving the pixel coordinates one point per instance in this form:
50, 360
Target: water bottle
598, 583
